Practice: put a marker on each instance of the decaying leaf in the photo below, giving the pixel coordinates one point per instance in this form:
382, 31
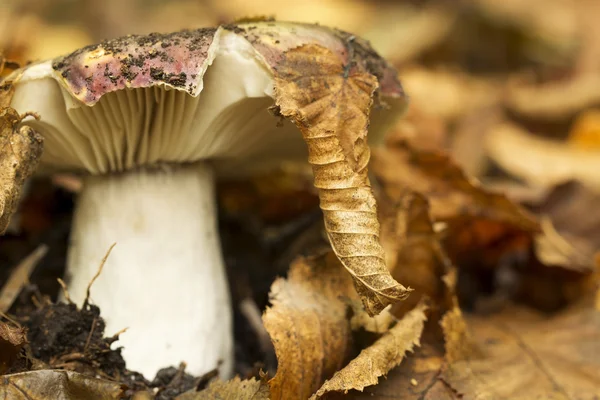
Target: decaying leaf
330, 103
415, 255
378, 359
12, 340
309, 325
539, 161
417, 378
19, 278
251, 389
570, 227
55, 384
528, 356
20, 149
452, 195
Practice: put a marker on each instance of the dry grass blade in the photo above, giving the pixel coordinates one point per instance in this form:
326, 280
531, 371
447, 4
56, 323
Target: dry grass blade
378, 359
100, 267
20, 277
330, 104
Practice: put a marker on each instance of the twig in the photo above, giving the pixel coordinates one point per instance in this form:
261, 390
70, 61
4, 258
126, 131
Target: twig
115, 337
19, 277
63, 285
89, 287
89, 338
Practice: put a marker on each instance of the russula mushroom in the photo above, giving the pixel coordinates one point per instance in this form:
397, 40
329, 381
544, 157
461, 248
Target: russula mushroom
151, 120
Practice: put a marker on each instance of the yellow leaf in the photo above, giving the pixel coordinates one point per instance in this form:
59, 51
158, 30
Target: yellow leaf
235, 388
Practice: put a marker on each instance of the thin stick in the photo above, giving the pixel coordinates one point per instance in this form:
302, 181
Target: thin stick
89, 287
19, 278
63, 285
89, 338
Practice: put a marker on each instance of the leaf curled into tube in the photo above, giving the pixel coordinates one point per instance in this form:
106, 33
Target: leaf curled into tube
330, 101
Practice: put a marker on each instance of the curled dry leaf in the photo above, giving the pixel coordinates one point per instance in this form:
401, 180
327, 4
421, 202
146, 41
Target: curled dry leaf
330, 103
378, 359
251, 389
530, 356
59, 385
309, 325
12, 340
541, 162
452, 195
20, 149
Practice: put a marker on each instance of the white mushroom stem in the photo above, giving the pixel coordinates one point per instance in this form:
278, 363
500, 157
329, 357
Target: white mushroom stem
165, 279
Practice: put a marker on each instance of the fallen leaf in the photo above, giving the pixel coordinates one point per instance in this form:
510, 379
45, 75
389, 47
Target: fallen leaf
309, 325
539, 161
330, 103
20, 150
556, 100
12, 340
59, 385
19, 277
423, 367
526, 355
417, 257
378, 359
251, 389
452, 195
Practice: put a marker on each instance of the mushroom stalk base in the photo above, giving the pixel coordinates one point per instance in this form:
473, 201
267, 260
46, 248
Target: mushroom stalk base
165, 279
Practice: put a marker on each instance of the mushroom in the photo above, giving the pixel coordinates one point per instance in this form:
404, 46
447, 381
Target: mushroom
150, 120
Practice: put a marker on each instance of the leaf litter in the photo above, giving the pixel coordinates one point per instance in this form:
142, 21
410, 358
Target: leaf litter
524, 273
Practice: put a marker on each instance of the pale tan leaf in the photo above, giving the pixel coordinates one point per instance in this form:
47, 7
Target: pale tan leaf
20, 150
539, 161
57, 385
378, 359
251, 389
309, 325
526, 355
330, 103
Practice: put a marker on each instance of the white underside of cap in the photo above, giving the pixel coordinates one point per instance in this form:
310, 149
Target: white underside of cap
164, 280
228, 122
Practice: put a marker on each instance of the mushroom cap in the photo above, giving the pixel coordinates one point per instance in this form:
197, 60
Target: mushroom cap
182, 97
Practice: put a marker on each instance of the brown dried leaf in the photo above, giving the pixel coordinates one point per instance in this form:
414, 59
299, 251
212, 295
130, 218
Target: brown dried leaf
541, 162
330, 103
416, 256
453, 196
251, 389
308, 325
570, 227
378, 359
20, 150
12, 340
417, 378
58, 385
530, 356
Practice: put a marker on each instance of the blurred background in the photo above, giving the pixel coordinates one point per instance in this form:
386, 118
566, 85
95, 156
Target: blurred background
473, 68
